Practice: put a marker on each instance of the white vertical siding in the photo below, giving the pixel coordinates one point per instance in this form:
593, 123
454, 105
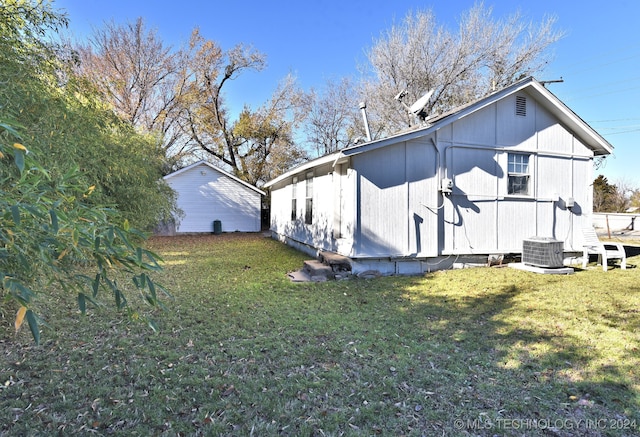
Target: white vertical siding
474, 171
512, 129
555, 185
476, 128
398, 200
321, 230
470, 227
280, 208
583, 195
205, 195
516, 221
422, 169
552, 137
554, 176
345, 208
319, 233
470, 211
480, 216
382, 199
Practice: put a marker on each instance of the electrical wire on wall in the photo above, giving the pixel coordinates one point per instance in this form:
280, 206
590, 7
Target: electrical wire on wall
570, 231
432, 209
435, 264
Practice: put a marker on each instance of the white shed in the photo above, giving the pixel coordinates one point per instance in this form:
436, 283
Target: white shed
207, 194
476, 181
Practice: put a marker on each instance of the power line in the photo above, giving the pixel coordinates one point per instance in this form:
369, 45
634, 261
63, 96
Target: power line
624, 132
602, 55
632, 79
611, 62
603, 94
633, 126
616, 120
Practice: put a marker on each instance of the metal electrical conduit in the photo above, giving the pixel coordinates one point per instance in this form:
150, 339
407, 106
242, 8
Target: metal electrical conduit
483, 197
486, 198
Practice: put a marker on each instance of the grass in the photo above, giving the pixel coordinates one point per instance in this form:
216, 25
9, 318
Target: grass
242, 351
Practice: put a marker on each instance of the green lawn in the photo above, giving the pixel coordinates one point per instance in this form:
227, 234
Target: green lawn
242, 351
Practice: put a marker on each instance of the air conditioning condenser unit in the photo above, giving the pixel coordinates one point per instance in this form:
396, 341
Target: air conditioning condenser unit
543, 252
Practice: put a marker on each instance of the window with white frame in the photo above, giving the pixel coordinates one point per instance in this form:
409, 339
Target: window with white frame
518, 174
294, 199
308, 209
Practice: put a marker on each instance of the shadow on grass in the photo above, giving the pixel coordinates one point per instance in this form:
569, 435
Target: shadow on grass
531, 372
242, 351
631, 251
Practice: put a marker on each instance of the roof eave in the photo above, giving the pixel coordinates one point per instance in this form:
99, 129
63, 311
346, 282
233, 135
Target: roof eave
579, 127
330, 158
213, 167
598, 144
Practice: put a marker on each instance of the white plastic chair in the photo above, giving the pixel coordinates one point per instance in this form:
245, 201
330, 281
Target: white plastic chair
605, 251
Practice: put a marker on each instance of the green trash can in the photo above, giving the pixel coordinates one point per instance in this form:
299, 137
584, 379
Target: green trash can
217, 227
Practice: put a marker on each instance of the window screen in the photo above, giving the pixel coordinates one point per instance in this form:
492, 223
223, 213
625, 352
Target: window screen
308, 207
518, 174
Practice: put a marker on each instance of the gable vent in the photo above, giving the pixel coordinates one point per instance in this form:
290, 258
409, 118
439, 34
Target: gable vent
521, 106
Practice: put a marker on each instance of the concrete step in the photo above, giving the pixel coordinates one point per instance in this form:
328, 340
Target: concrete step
317, 269
338, 263
299, 276
313, 271
330, 266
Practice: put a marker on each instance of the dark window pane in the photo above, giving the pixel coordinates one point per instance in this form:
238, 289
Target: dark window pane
518, 185
308, 212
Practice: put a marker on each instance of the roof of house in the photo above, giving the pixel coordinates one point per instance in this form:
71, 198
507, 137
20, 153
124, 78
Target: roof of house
227, 174
542, 95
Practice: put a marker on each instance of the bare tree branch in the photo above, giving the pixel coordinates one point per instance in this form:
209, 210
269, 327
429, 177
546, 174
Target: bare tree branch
418, 55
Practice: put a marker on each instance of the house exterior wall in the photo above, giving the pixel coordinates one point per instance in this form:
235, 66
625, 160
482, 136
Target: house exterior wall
480, 216
205, 195
364, 208
398, 201
318, 234
344, 208
382, 204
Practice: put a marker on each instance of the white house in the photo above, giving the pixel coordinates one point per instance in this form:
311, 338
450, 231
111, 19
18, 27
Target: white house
476, 181
207, 194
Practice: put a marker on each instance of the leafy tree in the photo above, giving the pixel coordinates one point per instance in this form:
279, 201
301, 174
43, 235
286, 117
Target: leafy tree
58, 227
420, 55
266, 147
616, 197
604, 195
51, 237
142, 79
246, 144
67, 125
24, 24
179, 94
623, 196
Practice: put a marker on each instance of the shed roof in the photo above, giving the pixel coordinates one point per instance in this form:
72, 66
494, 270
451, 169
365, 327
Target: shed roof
208, 164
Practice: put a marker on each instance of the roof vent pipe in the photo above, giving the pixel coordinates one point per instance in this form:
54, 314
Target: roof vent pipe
363, 109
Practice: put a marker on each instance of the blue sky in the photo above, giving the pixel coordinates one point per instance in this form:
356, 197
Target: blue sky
599, 58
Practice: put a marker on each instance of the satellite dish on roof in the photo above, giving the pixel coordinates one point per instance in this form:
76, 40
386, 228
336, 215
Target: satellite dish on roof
418, 109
